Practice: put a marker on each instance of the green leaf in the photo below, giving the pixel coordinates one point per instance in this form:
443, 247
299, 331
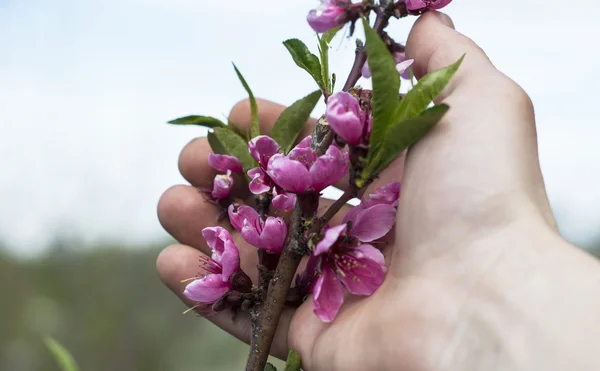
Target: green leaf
255, 131
324, 42
215, 145
292, 120
304, 58
294, 362
235, 145
386, 86
401, 136
428, 88
208, 122
270, 367
61, 355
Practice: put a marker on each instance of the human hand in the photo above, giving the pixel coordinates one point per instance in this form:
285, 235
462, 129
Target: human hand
478, 276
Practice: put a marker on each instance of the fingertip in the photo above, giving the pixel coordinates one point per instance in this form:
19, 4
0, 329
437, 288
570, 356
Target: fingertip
193, 163
434, 43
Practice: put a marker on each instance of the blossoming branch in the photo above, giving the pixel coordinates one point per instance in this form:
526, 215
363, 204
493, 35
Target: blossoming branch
360, 134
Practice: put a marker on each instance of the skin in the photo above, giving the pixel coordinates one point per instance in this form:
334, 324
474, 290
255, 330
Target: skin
479, 278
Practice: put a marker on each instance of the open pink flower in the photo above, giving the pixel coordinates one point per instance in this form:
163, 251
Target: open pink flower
402, 66
219, 268
341, 263
343, 259
327, 15
346, 118
262, 148
268, 235
224, 163
416, 5
302, 170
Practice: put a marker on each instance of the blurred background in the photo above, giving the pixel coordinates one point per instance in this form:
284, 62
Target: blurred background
85, 90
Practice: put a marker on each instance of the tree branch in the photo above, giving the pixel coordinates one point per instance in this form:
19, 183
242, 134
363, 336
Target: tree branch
350, 193
265, 316
381, 23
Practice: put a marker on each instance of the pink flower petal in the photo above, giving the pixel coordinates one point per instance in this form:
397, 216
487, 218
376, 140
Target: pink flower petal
366, 71
259, 182
237, 217
284, 201
328, 296
330, 238
363, 270
230, 259
262, 148
353, 213
373, 223
328, 169
225, 252
305, 143
222, 185
344, 115
288, 174
208, 289
273, 235
223, 163
387, 195
403, 67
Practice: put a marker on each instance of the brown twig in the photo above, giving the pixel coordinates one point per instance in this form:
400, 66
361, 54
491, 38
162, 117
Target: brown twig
381, 22
350, 193
265, 316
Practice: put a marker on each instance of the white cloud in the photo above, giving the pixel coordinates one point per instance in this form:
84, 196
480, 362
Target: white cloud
87, 86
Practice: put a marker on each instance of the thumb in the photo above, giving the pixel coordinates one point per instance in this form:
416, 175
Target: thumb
434, 43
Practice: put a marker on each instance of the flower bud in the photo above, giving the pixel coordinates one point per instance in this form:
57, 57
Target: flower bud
327, 15
344, 116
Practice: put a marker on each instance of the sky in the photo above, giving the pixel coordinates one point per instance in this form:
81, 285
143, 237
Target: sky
87, 86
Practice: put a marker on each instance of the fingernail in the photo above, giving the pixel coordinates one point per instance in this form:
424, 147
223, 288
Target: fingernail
445, 19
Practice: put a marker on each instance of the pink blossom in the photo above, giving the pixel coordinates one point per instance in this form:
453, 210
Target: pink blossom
343, 259
416, 5
219, 268
224, 163
268, 235
262, 148
345, 117
343, 263
302, 170
402, 65
222, 185
283, 200
327, 15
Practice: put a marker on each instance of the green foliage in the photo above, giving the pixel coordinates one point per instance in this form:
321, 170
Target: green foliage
404, 134
292, 120
304, 58
324, 42
235, 145
386, 87
215, 145
428, 88
255, 129
270, 367
61, 354
206, 121
294, 362
398, 124
318, 69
